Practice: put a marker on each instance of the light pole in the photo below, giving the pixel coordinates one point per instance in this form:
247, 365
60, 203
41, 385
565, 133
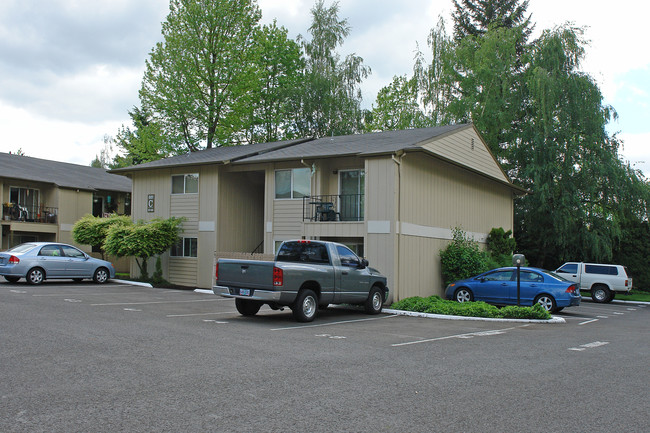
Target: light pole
518, 260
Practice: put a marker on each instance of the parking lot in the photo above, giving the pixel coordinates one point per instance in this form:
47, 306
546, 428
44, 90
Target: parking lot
116, 357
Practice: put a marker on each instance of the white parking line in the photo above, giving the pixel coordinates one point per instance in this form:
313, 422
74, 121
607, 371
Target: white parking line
332, 323
154, 302
463, 336
200, 314
588, 321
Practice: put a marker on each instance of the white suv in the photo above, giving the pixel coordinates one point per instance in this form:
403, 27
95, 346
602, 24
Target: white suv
603, 281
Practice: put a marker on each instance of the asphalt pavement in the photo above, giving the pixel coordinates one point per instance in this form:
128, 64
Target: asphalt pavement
117, 357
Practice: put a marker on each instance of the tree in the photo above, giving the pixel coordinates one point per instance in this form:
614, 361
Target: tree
144, 143
274, 104
197, 81
91, 230
476, 17
331, 102
462, 258
397, 107
142, 240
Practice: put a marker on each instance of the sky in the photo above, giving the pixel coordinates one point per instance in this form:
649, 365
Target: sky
70, 70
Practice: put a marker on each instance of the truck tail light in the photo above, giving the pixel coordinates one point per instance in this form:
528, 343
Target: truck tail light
13, 260
216, 271
571, 289
626, 283
278, 276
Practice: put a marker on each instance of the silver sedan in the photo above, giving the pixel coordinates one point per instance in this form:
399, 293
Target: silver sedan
38, 261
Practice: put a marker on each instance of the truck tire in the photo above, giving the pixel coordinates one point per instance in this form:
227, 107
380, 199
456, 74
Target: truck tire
375, 301
601, 294
247, 307
306, 306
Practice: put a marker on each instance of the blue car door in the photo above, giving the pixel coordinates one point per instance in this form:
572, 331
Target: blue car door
530, 285
494, 287
77, 264
51, 259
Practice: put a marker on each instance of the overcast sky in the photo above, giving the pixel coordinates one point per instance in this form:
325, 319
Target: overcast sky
70, 70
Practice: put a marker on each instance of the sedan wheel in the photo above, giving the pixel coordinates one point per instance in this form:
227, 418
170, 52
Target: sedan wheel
463, 294
35, 276
547, 302
101, 275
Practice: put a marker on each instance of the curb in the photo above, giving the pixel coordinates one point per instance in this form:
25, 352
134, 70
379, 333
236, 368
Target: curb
133, 283
205, 291
554, 319
616, 301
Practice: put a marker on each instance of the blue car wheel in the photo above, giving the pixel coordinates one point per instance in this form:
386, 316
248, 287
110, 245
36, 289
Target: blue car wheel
463, 294
547, 302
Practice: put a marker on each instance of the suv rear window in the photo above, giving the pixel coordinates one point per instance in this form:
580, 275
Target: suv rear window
601, 269
309, 252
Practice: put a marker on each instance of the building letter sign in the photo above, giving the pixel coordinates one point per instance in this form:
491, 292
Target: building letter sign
151, 201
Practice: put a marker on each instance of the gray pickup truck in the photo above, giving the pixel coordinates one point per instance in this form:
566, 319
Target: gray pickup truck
305, 276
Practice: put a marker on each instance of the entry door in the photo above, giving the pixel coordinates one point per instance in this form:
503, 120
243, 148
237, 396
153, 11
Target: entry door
351, 200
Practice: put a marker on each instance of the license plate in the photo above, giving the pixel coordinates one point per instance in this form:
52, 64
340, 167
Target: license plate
244, 292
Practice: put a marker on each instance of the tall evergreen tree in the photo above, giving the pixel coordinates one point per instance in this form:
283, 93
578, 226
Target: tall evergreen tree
476, 17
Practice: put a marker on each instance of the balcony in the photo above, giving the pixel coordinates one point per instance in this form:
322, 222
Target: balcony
342, 207
37, 214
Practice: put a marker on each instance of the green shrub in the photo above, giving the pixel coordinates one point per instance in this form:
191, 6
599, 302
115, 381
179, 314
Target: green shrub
462, 258
437, 305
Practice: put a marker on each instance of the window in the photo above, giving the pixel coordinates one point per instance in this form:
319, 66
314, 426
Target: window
294, 183
185, 247
185, 184
348, 258
351, 201
303, 251
72, 252
601, 270
571, 268
499, 276
531, 277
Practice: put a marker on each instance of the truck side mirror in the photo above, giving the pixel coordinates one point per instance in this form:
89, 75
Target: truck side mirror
363, 264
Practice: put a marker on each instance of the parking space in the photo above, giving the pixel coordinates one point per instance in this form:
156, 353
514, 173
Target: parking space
76, 354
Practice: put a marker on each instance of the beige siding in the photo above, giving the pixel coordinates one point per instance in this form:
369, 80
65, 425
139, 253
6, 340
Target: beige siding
207, 236
287, 219
458, 147
435, 198
183, 270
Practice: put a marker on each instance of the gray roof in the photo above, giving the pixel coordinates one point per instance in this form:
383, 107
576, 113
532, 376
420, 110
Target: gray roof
214, 155
61, 174
376, 143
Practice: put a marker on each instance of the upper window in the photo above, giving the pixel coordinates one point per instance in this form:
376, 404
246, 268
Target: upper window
185, 183
294, 183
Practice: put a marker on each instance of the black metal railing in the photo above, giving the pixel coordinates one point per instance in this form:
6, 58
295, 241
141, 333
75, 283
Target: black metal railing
342, 207
39, 214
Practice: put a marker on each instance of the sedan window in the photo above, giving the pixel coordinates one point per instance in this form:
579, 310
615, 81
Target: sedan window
499, 276
50, 251
531, 277
72, 252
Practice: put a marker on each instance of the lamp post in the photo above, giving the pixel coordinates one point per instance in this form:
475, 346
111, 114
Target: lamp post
518, 260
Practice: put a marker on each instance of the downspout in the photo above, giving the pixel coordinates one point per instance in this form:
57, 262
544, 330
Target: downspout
397, 159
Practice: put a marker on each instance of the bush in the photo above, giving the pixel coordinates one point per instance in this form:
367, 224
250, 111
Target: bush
437, 305
462, 258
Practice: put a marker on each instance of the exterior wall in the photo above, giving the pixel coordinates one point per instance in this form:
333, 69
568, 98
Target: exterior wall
73, 204
467, 146
435, 198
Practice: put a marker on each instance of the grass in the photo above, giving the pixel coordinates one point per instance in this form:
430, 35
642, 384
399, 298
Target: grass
437, 305
633, 295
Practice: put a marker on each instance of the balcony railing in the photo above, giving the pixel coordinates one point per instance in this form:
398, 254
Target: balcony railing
39, 214
342, 207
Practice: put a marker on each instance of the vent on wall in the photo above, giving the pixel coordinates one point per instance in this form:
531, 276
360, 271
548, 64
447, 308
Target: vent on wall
472, 144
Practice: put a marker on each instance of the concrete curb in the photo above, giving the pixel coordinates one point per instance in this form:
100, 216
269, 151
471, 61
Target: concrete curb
133, 283
616, 301
205, 291
554, 319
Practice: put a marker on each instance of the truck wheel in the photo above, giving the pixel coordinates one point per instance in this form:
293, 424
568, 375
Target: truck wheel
246, 307
600, 294
375, 301
306, 306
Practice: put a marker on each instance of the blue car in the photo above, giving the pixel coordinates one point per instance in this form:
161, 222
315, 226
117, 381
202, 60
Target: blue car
499, 287
38, 261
